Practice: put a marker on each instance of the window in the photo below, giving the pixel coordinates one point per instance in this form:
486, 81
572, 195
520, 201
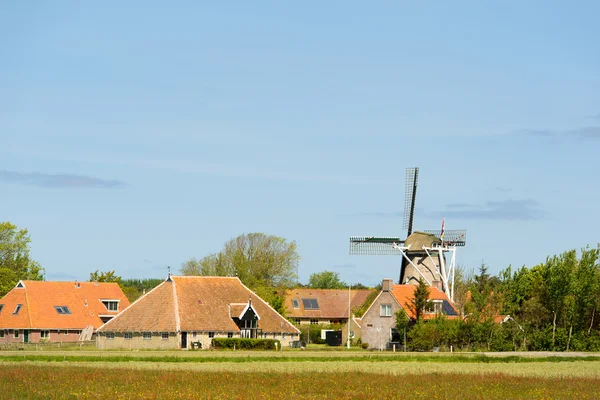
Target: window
128, 335
297, 320
229, 334
434, 307
283, 336
45, 334
16, 333
310, 304
386, 310
66, 333
1, 333
1, 307
164, 336
314, 321
147, 335
295, 303
194, 335
62, 309
17, 309
110, 335
111, 305
211, 334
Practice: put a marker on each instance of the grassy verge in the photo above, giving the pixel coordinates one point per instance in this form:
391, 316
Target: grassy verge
250, 357
46, 381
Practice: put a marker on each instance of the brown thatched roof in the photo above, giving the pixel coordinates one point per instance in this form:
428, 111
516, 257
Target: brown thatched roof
417, 240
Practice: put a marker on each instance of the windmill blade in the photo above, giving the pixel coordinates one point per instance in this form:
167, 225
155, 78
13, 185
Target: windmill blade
410, 195
374, 246
456, 237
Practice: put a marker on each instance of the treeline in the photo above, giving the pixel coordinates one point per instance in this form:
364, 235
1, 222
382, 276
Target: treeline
552, 306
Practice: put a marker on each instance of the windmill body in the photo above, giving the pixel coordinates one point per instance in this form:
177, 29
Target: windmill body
424, 254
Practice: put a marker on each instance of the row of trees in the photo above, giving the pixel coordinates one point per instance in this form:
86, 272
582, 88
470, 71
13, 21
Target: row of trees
15, 262
552, 306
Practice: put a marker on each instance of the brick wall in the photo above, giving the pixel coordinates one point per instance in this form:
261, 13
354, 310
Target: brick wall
55, 336
372, 320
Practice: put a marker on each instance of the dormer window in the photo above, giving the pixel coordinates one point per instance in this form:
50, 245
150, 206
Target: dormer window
17, 309
62, 309
111, 305
295, 303
1, 307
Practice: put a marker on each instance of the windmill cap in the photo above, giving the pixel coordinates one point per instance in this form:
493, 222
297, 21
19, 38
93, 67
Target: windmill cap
417, 240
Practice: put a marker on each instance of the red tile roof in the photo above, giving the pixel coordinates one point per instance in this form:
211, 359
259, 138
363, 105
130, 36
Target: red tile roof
38, 299
405, 293
333, 303
196, 303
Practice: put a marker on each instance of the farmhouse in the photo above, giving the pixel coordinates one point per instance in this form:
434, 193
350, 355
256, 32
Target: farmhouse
186, 311
377, 327
322, 306
39, 311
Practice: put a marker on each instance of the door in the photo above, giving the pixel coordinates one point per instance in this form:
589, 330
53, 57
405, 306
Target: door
25, 336
184, 340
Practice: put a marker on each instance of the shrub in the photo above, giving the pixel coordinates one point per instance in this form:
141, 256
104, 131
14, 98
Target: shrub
364, 345
245, 344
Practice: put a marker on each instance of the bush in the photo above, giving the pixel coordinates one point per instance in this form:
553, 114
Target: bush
245, 344
364, 345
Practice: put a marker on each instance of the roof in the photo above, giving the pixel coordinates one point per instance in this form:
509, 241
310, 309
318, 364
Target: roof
196, 303
417, 240
39, 299
333, 303
405, 293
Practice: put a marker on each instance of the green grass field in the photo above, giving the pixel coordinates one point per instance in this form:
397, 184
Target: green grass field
305, 375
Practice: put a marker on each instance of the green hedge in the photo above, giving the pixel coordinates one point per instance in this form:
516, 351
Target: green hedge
245, 344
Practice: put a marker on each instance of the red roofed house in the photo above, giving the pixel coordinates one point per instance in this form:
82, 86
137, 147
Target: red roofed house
377, 325
322, 306
38, 311
185, 310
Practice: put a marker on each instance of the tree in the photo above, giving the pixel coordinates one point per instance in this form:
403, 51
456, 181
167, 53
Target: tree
108, 276
257, 259
420, 299
15, 262
326, 280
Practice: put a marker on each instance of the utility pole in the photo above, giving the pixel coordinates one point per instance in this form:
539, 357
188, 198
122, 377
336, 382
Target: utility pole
349, 287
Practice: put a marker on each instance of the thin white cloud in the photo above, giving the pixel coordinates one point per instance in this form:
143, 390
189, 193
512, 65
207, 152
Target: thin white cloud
509, 210
57, 181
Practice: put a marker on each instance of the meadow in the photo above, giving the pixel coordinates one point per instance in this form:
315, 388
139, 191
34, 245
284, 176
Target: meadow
302, 375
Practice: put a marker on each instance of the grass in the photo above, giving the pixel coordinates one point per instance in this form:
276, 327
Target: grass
27, 381
280, 357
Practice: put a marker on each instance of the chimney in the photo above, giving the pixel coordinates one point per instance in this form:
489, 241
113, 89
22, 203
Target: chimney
386, 284
438, 284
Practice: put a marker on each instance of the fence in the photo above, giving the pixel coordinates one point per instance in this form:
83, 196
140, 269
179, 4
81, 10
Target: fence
84, 345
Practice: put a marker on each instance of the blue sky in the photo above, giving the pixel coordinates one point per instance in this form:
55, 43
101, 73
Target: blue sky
135, 136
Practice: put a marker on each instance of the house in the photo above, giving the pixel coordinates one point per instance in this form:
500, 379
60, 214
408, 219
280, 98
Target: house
186, 311
40, 311
322, 306
377, 327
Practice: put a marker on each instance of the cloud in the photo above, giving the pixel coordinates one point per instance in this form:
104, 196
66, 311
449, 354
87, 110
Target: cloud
508, 210
588, 132
391, 214
57, 180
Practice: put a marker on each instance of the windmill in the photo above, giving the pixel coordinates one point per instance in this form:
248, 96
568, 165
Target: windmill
423, 252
